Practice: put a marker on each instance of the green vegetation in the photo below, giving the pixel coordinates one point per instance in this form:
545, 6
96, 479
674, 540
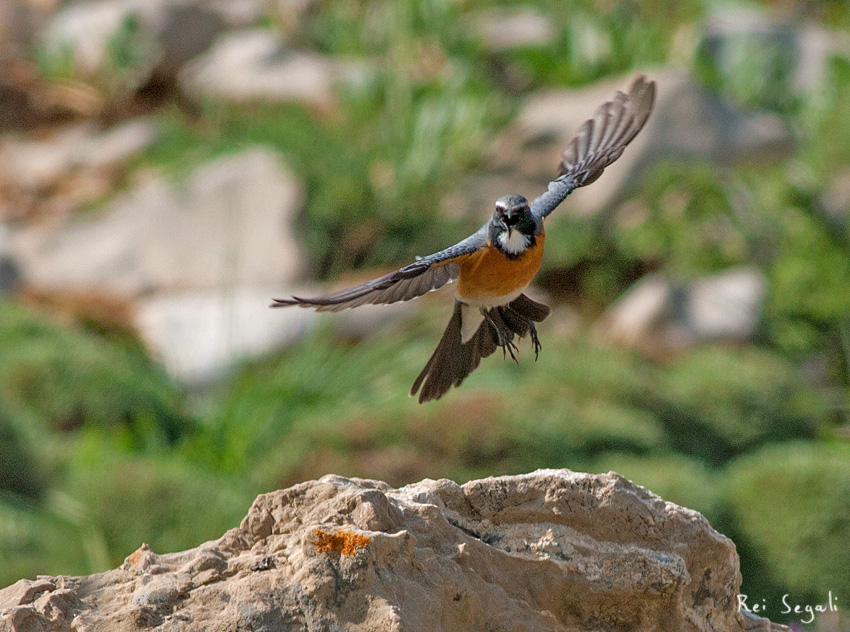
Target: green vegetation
54, 380
130, 52
792, 505
99, 451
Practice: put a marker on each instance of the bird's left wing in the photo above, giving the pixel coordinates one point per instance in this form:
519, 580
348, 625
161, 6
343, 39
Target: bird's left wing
420, 277
598, 143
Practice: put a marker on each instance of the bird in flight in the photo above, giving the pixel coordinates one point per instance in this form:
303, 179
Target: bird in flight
494, 265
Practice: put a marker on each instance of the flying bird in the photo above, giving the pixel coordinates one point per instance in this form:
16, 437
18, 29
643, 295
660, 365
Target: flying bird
494, 265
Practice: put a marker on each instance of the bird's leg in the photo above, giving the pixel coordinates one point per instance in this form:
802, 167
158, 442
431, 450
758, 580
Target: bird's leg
535, 341
504, 340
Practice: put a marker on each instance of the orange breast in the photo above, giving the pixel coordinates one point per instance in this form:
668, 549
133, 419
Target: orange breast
489, 274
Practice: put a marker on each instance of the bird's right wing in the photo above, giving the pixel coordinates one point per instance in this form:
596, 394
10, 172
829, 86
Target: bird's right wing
420, 277
598, 143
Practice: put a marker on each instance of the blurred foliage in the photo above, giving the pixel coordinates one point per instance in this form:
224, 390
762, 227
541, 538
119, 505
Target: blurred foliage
716, 403
34, 540
99, 452
792, 503
324, 407
53, 378
107, 502
125, 500
19, 471
595, 39
129, 54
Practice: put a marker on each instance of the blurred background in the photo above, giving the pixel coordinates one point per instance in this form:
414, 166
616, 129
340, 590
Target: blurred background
166, 167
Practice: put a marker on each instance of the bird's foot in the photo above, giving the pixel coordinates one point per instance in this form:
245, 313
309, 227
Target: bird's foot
535, 341
509, 347
503, 338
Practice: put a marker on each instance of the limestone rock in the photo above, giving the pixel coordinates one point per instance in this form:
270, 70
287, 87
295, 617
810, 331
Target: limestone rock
256, 65
36, 165
170, 33
798, 52
549, 551
228, 226
688, 123
202, 335
201, 261
504, 29
657, 315
62, 173
10, 273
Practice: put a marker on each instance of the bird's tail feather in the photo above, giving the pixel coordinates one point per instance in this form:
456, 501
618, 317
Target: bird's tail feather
453, 359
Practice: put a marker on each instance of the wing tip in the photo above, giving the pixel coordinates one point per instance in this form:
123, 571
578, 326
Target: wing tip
290, 302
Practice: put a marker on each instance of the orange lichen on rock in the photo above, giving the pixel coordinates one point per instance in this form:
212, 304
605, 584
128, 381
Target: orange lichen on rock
136, 556
343, 541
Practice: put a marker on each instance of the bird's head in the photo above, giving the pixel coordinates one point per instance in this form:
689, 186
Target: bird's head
512, 227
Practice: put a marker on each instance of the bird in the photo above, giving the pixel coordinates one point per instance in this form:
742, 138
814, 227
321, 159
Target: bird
493, 267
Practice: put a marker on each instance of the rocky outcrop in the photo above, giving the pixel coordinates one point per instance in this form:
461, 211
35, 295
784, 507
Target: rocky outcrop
552, 550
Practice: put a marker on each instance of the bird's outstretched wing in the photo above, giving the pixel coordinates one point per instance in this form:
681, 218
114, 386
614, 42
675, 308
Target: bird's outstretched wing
598, 143
420, 277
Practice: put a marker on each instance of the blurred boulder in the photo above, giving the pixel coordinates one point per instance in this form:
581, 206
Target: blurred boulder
503, 29
19, 22
836, 199
739, 41
228, 226
291, 14
201, 260
73, 166
83, 30
688, 123
106, 36
255, 65
186, 31
548, 551
657, 315
833, 205
239, 14
10, 273
200, 335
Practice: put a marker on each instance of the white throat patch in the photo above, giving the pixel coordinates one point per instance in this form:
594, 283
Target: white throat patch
515, 244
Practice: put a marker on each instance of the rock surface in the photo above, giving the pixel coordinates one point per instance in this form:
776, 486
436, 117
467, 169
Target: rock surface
504, 29
169, 33
549, 551
75, 165
796, 54
199, 261
256, 66
228, 226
